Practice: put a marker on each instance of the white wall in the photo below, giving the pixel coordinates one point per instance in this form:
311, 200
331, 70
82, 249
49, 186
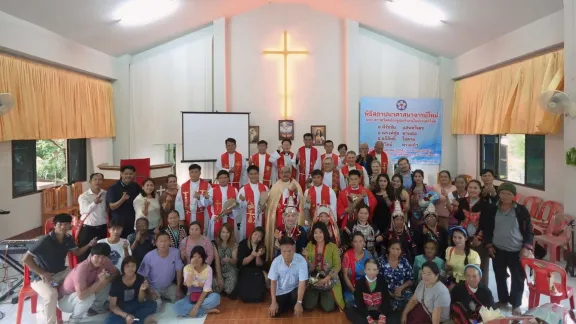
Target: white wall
536, 36
315, 80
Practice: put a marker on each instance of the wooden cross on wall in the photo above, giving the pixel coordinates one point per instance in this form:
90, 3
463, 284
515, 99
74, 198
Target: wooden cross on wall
285, 52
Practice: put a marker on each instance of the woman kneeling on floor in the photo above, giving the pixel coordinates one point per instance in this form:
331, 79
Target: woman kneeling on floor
201, 300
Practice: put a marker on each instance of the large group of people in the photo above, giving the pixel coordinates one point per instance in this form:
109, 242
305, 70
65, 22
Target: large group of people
315, 230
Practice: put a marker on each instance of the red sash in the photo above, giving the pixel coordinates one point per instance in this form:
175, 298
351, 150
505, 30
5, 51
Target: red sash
186, 194
267, 167
336, 181
383, 160
346, 170
324, 197
235, 181
216, 207
306, 166
281, 164
350, 263
251, 208
334, 159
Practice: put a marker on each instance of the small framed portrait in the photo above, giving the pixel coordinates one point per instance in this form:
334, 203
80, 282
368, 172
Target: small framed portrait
254, 132
285, 129
318, 134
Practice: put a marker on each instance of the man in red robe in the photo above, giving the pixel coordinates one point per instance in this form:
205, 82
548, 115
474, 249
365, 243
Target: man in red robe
329, 147
352, 165
353, 192
284, 157
251, 201
219, 213
188, 202
379, 154
233, 162
317, 195
263, 162
307, 159
332, 177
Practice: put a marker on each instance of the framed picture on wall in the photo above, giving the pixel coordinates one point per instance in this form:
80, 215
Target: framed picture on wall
285, 129
254, 134
318, 134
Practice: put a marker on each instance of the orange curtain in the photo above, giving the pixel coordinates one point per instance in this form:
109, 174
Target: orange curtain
505, 100
53, 103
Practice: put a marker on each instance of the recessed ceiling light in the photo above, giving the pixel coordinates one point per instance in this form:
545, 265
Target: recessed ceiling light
142, 12
418, 11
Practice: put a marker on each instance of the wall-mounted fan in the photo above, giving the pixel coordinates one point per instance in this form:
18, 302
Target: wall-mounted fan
557, 102
6, 103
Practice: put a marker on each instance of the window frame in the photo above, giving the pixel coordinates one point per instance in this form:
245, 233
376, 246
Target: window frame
34, 166
497, 163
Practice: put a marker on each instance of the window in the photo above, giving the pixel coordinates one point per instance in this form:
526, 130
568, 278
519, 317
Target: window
516, 158
42, 164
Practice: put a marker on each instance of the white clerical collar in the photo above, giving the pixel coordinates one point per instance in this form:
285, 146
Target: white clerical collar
262, 154
319, 186
224, 187
327, 172
355, 188
351, 167
253, 184
195, 181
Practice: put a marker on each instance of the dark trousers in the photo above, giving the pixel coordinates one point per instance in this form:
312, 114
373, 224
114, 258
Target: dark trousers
287, 302
87, 233
509, 260
484, 264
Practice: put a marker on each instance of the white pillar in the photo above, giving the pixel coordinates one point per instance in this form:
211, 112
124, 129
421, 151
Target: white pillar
569, 177
219, 79
352, 79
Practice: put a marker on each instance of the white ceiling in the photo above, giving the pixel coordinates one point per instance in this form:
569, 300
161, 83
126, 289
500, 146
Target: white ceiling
470, 23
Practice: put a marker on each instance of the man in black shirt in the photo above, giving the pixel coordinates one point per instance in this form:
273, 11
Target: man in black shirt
489, 190
47, 260
120, 197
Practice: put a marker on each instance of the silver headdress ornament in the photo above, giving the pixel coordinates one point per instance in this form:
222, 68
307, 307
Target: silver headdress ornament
430, 210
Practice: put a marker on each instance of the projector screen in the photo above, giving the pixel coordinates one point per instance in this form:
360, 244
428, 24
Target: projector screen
204, 133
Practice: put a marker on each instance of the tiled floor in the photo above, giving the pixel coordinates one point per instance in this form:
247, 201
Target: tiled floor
234, 311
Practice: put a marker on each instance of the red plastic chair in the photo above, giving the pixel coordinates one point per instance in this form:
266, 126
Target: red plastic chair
28, 292
532, 203
540, 285
545, 215
557, 236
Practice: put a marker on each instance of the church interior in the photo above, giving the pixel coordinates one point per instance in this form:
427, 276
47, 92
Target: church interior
92, 86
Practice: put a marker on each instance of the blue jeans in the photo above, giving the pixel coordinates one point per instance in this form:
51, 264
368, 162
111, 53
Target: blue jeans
185, 305
136, 309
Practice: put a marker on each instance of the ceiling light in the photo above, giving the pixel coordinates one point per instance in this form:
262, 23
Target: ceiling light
142, 12
418, 11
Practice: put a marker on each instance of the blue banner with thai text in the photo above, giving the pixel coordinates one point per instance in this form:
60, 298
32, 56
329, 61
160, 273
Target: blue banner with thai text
409, 128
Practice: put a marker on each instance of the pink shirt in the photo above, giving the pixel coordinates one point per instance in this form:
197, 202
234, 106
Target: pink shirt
186, 246
85, 275
440, 205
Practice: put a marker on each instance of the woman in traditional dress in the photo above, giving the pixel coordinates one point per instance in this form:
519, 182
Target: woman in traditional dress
168, 198
371, 302
397, 271
353, 262
323, 266
401, 194
291, 229
471, 211
399, 232
193, 239
432, 231
431, 301
226, 259
325, 215
460, 182
175, 231
372, 235
251, 257
469, 296
418, 190
444, 187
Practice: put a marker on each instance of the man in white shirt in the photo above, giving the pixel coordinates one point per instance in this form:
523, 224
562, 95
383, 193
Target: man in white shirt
352, 165
251, 215
329, 147
319, 195
234, 163
93, 214
288, 275
308, 159
263, 160
333, 177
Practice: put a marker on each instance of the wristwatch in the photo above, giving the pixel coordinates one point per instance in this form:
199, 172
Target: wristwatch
299, 302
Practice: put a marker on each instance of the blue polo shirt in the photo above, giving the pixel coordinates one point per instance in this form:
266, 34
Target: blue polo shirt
288, 276
125, 213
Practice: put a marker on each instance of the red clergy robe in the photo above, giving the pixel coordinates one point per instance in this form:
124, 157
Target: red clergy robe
343, 204
255, 158
252, 209
324, 198
383, 158
186, 198
304, 166
334, 157
216, 208
236, 164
